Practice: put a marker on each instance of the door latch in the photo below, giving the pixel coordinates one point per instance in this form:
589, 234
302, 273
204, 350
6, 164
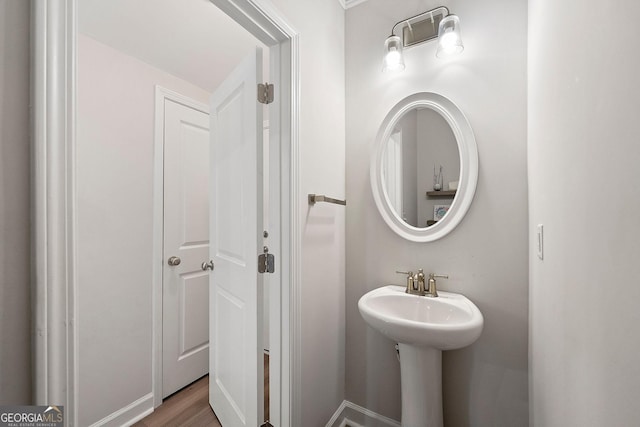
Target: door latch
266, 262
207, 265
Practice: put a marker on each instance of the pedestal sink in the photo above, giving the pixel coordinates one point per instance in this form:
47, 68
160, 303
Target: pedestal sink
423, 327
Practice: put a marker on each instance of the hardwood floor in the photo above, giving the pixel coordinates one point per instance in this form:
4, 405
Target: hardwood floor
189, 407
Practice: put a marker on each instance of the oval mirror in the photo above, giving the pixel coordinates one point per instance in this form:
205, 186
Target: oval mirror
424, 167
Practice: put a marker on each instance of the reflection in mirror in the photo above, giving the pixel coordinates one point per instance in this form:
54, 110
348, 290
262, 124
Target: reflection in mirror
420, 143
392, 171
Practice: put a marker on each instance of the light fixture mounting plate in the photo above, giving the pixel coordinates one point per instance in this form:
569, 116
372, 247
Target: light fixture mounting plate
421, 30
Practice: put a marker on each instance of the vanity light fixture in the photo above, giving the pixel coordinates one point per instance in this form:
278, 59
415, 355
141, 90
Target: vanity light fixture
435, 23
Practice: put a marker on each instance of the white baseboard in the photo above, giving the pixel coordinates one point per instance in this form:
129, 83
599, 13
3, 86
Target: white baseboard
129, 414
352, 415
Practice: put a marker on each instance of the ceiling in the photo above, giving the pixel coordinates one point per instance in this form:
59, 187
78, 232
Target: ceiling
191, 39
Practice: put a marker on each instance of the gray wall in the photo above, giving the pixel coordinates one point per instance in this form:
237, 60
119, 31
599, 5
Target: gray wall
486, 256
322, 171
584, 100
15, 309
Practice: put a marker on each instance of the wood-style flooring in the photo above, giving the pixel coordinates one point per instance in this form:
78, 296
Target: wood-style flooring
189, 407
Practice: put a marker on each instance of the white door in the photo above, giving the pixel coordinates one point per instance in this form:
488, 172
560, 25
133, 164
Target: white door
185, 306
236, 364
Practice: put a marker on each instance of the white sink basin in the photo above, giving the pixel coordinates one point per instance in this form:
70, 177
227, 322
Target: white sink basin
423, 327
447, 322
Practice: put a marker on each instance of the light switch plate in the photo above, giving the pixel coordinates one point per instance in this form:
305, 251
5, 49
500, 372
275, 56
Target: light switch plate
540, 240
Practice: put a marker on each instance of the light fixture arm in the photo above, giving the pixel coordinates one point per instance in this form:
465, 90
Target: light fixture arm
393, 29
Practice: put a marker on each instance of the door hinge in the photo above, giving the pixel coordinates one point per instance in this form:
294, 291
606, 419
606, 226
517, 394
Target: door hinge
265, 93
266, 262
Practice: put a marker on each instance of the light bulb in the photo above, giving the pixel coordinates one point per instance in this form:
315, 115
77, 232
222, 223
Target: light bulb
449, 39
449, 43
393, 60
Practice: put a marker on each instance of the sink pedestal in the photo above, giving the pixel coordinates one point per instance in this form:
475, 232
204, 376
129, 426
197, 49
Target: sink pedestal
426, 326
421, 386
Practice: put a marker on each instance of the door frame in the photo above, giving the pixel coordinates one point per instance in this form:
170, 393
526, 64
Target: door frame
161, 96
54, 31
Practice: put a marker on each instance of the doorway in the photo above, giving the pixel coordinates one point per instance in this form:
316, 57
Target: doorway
182, 177
63, 353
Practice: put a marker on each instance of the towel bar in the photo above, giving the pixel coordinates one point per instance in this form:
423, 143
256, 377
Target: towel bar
314, 198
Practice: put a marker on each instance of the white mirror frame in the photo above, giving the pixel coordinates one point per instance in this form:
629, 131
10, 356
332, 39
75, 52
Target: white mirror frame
467, 149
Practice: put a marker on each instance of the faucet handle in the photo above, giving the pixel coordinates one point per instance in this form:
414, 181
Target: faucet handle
432, 290
408, 273
411, 281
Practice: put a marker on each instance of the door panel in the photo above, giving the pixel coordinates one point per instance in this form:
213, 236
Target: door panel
194, 298
230, 214
236, 366
185, 336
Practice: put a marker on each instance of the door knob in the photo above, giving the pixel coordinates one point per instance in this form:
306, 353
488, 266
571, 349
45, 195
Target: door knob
207, 265
174, 260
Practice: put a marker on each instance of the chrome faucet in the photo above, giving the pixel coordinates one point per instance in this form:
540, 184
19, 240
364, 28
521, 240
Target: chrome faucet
432, 290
